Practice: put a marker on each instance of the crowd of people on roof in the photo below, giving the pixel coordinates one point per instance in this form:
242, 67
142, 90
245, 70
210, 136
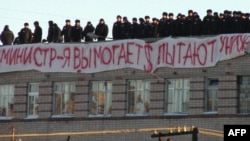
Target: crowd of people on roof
180, 26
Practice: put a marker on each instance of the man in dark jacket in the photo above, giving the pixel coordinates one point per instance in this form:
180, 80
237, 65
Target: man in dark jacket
162, 25
141, 28
154, 28
50, 37
208, 23
66, 31
147, 27
57, 34
101, 30
126, 28
37, 36
134, 29
25, 35
7, 36
77, 32
117, 28
89, 28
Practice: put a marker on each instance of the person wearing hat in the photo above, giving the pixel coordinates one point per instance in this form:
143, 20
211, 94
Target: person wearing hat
134, 30
162, 25
37, 35
101, 30
126, 28
154, 28
189, 23
77, 32
169, 25
180, 25
25, 34
237, 25
141, 28
147, 27
207, 23
7, 36
88, 29
66, 31
117, 30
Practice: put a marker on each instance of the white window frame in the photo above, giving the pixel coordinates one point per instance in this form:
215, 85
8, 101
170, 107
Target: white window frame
214, 88
177, 94
100, 105
65, 101
7, 91
140, 105
32, 101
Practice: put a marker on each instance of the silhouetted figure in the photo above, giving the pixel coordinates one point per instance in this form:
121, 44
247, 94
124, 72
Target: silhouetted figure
101, 30
37, 35
7, 36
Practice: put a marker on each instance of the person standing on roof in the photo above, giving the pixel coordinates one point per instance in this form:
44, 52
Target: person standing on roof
25, 35
7, 36
89, 28
37, 35
117, 31
66, 32
77, 32
101, 30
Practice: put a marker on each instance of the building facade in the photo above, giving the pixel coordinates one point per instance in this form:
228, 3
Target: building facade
124, 104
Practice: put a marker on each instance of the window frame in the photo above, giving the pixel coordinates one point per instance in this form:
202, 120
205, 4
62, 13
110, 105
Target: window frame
108, 92
145, 81
8, 116
34, 94
175, 90
215, 101
71, 93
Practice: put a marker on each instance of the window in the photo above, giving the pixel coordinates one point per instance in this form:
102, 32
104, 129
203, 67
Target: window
101, 98
244, 94
64, 101
138, 97
33, 93
6, 101
177, 96
211, 94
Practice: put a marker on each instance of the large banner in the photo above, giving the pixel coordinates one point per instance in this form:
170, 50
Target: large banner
104, 56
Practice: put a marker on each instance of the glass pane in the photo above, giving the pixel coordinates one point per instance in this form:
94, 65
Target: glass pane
94, 86
33, 87
101, 102
147, 85
178, 83
109, 86
68, 103
58, 87
58, 103
101, 86
3, 106
108, 106
139, 85
93, 102
212, 100
170, 83
72, 87
131, 85
131, 102
147, 101
186, 84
